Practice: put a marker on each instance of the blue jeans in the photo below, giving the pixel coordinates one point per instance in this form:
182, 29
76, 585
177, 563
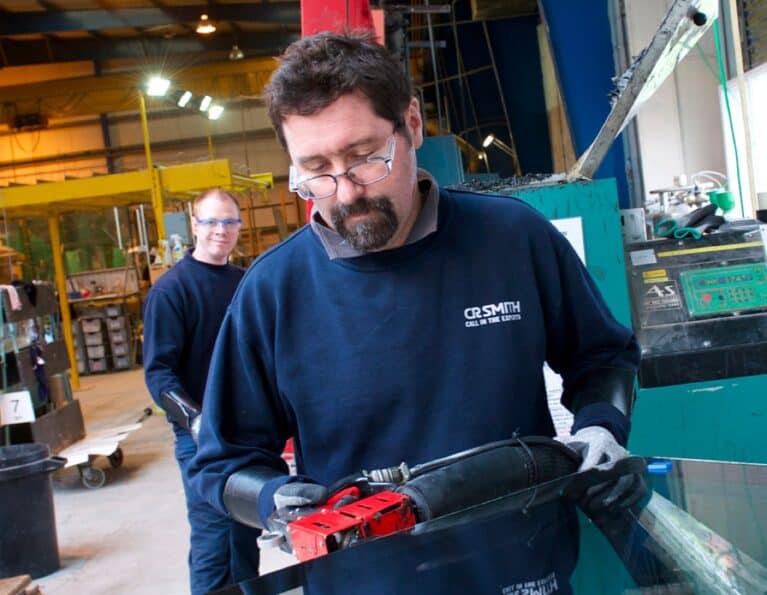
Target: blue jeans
221, 551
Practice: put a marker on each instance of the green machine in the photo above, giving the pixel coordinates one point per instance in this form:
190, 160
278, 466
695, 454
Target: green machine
698, 307
699, 310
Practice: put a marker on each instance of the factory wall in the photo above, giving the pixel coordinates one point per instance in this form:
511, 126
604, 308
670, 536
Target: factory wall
18, 147
679, 127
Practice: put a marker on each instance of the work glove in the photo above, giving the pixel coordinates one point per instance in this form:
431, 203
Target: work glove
597, 447
599, 450
299, 494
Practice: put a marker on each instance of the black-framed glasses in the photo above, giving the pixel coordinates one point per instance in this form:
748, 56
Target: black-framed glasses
212, 222
374, 169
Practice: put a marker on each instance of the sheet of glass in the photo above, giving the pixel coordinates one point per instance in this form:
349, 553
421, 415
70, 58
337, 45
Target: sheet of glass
701, 529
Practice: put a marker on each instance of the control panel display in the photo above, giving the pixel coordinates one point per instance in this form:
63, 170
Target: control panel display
724, 290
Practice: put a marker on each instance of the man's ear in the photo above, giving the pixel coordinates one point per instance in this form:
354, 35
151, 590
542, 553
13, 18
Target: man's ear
414, 122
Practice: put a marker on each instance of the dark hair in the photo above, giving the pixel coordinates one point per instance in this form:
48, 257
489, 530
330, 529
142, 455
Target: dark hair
217, 193
317, 70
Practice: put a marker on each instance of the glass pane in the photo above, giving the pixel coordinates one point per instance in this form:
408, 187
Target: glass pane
702, 529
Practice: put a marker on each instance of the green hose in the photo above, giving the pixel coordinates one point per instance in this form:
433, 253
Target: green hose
723, 82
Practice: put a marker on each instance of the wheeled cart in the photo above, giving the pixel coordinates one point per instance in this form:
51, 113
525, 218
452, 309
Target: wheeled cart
101, 443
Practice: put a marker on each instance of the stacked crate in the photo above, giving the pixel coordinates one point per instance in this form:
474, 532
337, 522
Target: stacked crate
118, 331
80, 353
94, 343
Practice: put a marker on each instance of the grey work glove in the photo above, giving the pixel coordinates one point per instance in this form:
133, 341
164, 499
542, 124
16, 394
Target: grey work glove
597, 447
599, 450
299, 493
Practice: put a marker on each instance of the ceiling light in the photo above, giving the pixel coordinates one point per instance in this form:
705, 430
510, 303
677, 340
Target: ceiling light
236, 53
205, 26
215, 111
184, 99
157, 86
205, 103
497, 142
491, 139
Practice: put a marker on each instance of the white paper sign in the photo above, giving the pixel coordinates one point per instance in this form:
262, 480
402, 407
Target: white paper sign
572, 229
562, 418
16, 408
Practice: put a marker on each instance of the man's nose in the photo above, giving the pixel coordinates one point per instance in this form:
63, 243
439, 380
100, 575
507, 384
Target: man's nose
347, 191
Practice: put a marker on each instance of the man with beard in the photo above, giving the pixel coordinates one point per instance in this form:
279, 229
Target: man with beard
364, 336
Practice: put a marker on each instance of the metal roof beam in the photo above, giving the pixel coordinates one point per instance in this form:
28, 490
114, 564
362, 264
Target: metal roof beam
51, 21
118, 92
39, 51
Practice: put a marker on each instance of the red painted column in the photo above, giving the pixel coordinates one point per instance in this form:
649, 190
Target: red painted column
335, 15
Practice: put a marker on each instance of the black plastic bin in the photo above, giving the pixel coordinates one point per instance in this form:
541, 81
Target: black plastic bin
28, 543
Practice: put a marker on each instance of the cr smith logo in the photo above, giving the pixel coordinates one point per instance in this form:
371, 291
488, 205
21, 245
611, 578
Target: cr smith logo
492, 313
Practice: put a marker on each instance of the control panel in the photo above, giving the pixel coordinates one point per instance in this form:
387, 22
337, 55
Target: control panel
723, 290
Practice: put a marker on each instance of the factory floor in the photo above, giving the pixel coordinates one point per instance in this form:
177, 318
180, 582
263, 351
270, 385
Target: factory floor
131, 535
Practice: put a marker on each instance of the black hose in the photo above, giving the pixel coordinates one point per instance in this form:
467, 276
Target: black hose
492, 471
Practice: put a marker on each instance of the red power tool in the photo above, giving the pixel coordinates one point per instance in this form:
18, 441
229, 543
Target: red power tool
330, 529
385, 501
345, 519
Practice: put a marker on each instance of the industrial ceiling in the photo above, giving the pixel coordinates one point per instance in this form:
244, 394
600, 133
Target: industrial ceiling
143, 31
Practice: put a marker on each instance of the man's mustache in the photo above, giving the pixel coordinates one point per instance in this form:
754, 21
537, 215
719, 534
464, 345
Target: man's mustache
361, 206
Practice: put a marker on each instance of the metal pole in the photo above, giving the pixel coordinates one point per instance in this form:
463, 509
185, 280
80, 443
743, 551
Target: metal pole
61, 288
438, 97
117, 227
211, 155
515, 159
157, 203
743, 96
144, 236
138, 227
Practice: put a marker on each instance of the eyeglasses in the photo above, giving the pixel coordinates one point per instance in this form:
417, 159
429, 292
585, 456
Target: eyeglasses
212, 222
372, 170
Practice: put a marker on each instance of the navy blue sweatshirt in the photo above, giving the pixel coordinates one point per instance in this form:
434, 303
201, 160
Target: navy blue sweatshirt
408, 355
182, 315
403, 355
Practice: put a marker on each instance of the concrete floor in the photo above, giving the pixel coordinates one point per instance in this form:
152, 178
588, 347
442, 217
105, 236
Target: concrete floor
131, 535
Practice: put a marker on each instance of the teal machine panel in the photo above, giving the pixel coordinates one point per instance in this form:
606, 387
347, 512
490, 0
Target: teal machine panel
441, 157
596, 204
718, 420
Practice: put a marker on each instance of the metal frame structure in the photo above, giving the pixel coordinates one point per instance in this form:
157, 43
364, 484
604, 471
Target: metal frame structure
50, 200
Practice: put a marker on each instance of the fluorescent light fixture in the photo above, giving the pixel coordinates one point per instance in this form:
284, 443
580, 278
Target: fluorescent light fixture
491, 139
184, 99
205, 26
157, 86
215, 111
236, 53
205, 103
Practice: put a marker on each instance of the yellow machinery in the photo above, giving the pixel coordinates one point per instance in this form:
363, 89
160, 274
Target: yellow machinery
50, 200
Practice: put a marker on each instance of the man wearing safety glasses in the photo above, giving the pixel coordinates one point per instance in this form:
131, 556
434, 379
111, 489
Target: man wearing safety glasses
405, 323
182, 315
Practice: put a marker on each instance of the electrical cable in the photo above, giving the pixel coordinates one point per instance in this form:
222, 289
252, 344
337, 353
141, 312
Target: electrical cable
723, 82
706, 61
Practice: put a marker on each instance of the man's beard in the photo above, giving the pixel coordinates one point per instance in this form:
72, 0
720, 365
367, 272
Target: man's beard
371, 233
